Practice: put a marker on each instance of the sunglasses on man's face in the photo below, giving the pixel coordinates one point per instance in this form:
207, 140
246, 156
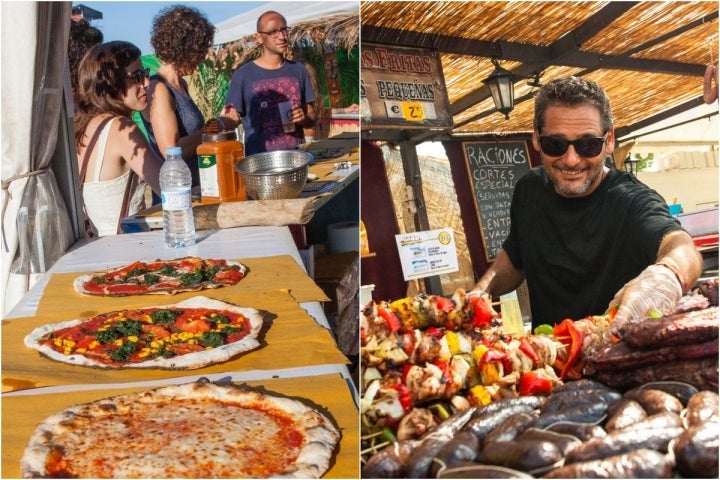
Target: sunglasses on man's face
139, 75
585, 146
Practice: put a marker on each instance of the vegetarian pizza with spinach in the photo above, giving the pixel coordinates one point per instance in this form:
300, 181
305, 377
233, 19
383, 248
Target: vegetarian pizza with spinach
161, 277
191, 334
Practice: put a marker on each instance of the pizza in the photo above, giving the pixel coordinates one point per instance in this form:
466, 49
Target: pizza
193, 430
190, 334
167, 277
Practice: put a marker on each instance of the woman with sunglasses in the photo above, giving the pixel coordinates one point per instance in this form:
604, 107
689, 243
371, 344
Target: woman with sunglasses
181, 37
115, 160
587, 237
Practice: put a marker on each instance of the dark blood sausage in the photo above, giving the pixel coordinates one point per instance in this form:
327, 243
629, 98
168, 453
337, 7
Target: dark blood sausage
431, 443
702, 373
532, 401
511, 427
681, 390
462, 448
624, 413
521, 455
696, 451
654, 432
655, 401
390, 462
702, 407
482, 425
582, 384
557, 402
584, 413
677, 329
623, 355
643, 463
581, 431
564, 442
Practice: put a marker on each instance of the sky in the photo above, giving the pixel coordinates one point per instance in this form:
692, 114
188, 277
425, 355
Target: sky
132, 20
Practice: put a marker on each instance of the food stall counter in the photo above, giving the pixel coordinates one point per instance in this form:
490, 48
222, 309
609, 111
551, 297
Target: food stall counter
296, 357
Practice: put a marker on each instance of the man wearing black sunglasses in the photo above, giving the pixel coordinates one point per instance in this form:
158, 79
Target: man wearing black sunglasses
586, 237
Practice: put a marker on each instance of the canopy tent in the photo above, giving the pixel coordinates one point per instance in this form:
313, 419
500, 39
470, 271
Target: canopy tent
244, 25
36, 228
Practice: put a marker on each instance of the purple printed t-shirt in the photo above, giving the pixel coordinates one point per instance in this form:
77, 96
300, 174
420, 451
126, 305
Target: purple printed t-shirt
256, 92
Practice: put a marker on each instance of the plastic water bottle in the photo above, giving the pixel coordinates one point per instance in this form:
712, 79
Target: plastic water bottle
175, 185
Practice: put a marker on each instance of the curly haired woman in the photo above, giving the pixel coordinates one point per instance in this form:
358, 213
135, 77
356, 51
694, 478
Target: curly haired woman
115, 160
181, 37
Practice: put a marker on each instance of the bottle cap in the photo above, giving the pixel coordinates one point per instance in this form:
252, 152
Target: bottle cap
173, 151
219, 137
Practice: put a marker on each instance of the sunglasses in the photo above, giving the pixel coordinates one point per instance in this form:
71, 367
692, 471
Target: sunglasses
140, 75
585, 146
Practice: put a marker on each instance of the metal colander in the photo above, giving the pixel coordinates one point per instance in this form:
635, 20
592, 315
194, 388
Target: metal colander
274, 175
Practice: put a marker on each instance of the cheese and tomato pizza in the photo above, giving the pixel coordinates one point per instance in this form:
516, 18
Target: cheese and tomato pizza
168, 277
190, 334
194, 430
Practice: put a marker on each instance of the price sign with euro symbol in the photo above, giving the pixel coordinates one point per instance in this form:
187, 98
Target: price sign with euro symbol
413, 111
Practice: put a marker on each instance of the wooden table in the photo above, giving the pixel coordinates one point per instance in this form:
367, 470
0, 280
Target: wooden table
34, 387
296, 211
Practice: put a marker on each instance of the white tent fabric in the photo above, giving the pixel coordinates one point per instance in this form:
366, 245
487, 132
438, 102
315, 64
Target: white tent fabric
244, 24
36, 229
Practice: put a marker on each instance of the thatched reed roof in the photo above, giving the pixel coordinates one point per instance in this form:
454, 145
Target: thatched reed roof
649, 56
339, 30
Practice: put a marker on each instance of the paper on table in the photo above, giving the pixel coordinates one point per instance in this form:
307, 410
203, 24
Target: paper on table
265, 274
329, 393
290, 338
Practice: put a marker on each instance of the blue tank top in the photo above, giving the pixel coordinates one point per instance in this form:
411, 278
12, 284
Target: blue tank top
189, 120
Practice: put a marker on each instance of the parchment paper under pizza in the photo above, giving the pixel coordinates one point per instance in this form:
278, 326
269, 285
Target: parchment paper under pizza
167, 277
190, 334
194, 430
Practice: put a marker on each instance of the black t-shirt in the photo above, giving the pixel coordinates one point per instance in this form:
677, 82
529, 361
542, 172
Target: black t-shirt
578, 252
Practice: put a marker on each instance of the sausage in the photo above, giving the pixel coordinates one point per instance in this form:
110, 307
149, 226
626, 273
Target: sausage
511, 427
582, 384
525, 456
564, 442
481, 426
532, 401
390, 462
643, 463
462, 448
432, 442
681, 390
478, 470
654, 432
581, 431
702, 407
623, 413
561, 401
696, 451
655, 401
585, 413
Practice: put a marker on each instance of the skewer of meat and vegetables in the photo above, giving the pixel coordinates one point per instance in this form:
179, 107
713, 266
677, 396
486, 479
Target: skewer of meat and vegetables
447, 394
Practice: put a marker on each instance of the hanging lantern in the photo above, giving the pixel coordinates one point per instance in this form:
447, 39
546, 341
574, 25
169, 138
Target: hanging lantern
500, 83
631, 165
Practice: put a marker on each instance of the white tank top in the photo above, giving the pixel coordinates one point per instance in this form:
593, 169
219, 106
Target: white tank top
103, 199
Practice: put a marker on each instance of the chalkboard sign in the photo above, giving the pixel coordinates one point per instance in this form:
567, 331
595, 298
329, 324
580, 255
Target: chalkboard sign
493, 169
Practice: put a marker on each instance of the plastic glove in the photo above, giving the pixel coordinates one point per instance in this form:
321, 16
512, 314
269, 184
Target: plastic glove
656, 289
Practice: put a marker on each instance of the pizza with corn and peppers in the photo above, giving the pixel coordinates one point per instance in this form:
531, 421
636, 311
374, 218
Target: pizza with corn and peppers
168, 277
193, 430
191, 334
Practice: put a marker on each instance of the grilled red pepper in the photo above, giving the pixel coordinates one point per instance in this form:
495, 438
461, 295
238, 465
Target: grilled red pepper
572, 338
391, 320
532, 383
444, 304
493, 355
482, 313
404, 397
